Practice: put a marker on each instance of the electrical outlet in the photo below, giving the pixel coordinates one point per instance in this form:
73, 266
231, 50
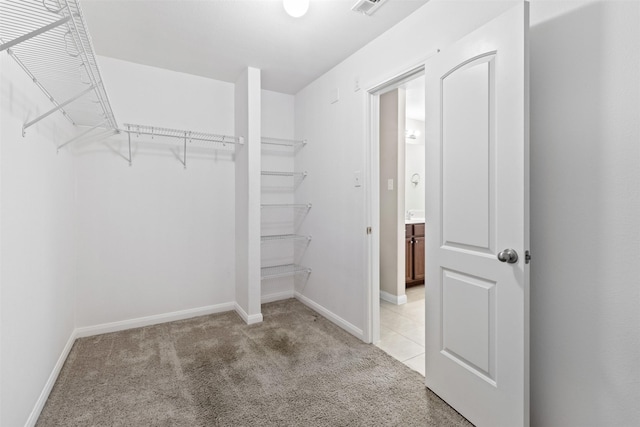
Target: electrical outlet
357, 179
390, 184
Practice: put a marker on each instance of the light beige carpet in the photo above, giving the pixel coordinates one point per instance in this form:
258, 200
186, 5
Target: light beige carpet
294, 369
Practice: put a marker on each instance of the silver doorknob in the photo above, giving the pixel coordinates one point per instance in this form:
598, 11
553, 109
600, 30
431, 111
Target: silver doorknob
509, 256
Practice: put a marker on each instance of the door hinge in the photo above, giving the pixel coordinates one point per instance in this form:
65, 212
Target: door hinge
527, 257
368, 230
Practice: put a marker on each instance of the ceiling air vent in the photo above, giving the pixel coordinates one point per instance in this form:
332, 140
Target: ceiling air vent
367, 7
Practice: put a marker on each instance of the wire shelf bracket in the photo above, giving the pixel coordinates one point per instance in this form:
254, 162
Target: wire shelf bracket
80, 135
56, 108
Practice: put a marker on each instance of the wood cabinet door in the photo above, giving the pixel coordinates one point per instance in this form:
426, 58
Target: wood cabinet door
408, 260
418, 258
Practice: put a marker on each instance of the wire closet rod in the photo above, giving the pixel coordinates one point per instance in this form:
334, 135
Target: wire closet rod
154, 131
180, 134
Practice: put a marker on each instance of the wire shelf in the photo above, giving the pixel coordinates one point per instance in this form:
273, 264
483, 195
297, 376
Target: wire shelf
191, 136
280, 173
50, 42
283, 142
284, 237
283, 271
287, 205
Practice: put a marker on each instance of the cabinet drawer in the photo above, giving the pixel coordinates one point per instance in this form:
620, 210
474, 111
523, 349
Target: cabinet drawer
418, 229
408, 230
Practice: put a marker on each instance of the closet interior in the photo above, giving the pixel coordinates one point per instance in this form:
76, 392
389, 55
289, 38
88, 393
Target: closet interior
49, 40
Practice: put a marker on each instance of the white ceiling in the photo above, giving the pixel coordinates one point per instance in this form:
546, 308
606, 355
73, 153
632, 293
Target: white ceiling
219, 38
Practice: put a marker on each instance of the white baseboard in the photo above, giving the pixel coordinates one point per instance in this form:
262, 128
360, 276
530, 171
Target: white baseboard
249, 320
353, 330
44, 395
278, 296
393, 299
105, 328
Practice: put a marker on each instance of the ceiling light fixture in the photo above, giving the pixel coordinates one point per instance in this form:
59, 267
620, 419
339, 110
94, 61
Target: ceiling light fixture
367, 7
296, 8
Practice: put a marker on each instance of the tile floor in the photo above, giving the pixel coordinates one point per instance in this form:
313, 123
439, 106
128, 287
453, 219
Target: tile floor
402, 329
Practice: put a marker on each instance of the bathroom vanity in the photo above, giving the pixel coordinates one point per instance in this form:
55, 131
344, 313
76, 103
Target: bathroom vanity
414, 253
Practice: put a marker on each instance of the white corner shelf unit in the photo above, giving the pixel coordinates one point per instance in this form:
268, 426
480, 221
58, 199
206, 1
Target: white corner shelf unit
286, 269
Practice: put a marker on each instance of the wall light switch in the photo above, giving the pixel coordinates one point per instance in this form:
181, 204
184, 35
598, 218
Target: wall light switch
356, 84
357, 179
390, 184
335, 96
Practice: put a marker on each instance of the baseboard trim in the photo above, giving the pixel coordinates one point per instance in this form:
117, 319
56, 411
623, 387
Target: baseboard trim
393, 299
44, 395
352, 329
278, 296
249, 320
122, 325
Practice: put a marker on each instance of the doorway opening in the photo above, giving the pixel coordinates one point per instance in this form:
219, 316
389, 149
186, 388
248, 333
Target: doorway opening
398, 131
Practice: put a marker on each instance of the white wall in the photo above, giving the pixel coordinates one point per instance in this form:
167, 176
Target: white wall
392, 168
585, 213
585, 194
338, 254
156, 238
38, 255
415, 163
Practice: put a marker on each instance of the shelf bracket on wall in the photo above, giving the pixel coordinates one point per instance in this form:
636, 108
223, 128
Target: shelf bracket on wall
129, 139
80, 135
56, 108
184, 158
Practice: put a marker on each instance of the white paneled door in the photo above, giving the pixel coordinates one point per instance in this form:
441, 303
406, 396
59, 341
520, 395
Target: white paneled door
477, 292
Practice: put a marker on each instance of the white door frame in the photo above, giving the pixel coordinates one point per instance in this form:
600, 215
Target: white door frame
372, 185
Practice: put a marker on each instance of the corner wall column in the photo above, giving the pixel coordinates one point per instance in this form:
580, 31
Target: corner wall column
247, 205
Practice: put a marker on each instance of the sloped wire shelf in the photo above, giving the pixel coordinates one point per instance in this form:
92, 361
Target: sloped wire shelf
284, 237
283, 142
50, 42
283, 271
